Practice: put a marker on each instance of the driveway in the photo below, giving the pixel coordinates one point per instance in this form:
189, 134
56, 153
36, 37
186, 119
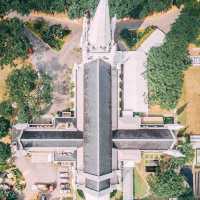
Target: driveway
57, 64
36, 173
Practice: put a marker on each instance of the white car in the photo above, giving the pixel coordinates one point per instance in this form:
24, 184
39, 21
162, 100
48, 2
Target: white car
65, 188
64, 175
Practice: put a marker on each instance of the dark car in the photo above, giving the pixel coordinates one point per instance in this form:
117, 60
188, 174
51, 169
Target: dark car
43, 197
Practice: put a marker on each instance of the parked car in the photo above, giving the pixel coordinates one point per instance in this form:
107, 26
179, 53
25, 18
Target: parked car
64, 173
65, 188
43, 197
64, 176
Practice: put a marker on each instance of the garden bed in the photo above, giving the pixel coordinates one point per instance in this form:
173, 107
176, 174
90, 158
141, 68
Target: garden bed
134, 38
53, 35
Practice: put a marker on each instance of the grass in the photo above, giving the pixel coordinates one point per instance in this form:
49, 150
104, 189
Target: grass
189, 104
53, 35
140, 186
134, 38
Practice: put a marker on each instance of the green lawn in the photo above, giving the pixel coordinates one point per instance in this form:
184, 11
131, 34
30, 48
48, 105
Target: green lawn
140, 186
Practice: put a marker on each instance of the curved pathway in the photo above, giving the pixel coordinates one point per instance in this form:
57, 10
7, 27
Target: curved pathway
56, 64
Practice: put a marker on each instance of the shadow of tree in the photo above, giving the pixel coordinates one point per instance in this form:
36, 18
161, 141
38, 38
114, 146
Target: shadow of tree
181, 109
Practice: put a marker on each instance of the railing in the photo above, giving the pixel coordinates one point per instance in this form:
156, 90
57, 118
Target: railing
195, 60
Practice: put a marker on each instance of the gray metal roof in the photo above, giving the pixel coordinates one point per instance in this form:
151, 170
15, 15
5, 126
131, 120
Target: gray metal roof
51, 138
143, 139
97, 118
97, 186
143, 145
51, 143
51, 134
143, 134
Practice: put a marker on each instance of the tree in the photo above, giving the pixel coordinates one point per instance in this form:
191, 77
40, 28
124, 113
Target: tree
5, 152
76, 8
166, 64
4, 126
7, 195
186, 149
13, 42
46, 88
168, 184
31, 92
6, 109
21, 82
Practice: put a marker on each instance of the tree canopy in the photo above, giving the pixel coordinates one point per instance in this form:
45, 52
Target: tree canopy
168, 184
29, 91
4, 126
186, 149
5, 152
6, 109
166, 64
21, 82
76, 8
7, 194
13, 42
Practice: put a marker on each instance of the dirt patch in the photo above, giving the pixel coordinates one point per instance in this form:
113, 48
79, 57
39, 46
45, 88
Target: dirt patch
157, 110
189, 104
3, 76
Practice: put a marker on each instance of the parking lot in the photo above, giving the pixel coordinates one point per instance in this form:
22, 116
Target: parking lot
53, 180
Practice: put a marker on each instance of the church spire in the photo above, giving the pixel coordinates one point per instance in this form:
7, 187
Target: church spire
100, 29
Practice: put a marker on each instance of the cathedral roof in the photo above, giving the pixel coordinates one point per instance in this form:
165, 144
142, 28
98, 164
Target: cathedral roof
100, 29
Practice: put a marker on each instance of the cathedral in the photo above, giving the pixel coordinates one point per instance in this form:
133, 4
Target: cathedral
111, 129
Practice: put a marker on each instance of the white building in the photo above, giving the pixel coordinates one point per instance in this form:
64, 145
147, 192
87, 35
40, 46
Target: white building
106, 141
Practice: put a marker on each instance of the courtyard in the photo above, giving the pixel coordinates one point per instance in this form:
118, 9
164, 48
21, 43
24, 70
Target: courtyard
41, 173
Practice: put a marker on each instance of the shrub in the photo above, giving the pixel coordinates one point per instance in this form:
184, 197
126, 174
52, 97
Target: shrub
5, 152
133, 38
53, 35
4, 126
168, 184
6, 109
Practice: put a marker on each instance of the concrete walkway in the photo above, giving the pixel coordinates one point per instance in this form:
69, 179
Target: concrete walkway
56, 64
128, 183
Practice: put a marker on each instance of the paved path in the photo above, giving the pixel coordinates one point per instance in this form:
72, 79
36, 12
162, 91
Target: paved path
35, 173
162, 20
128, 183
57, 63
